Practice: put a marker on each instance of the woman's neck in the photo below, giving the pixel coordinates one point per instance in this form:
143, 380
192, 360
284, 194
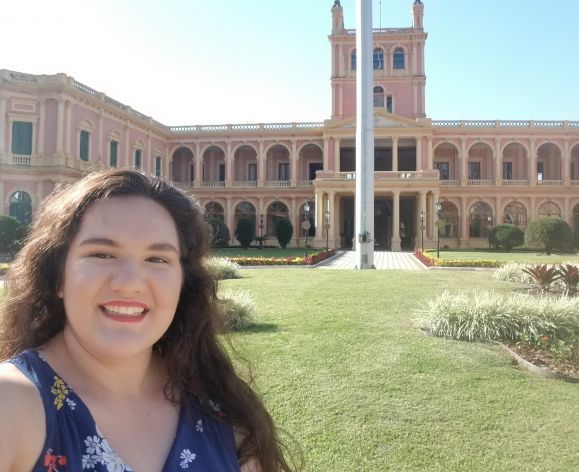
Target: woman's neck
127, 377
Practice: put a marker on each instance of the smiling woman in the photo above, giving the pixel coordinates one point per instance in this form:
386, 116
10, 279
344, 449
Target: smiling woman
110, 332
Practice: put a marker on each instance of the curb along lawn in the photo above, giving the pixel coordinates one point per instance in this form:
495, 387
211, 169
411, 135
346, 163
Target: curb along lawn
344, 370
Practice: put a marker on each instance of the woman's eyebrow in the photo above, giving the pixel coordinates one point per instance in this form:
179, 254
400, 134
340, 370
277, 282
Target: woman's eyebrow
160, 246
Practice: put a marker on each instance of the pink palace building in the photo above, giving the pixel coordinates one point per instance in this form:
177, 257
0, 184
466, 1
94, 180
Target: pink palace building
54, 130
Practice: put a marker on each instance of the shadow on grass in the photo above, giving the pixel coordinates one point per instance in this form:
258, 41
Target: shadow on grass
262, 328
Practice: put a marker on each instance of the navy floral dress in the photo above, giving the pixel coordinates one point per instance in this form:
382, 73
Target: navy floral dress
74, 443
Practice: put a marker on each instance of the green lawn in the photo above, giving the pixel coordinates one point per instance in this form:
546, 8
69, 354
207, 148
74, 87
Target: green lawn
513, 256
342, 369
266, 252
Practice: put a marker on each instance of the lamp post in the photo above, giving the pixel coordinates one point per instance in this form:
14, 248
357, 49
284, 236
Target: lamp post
438, 206
422, 218
261, 231
327, 227
489, 228
306, 226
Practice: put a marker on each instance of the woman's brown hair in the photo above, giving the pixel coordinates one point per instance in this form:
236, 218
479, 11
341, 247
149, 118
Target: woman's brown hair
32, 312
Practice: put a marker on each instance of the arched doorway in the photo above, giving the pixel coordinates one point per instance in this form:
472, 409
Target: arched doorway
21, 207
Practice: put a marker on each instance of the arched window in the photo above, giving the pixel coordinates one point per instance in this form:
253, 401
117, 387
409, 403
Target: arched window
378, 57
275, 212
515, 214
244, 210
378, 97
449, 216
550, 209
480, 220
214, 211
21, 207
353, 60
398, 59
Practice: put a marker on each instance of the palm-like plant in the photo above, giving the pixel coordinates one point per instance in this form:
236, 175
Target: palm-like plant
543, 275
570, 276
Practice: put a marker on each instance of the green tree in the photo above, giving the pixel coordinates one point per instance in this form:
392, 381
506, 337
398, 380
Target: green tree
221, 233
9, 233
284, 231
506, 236
548, 234
245, 232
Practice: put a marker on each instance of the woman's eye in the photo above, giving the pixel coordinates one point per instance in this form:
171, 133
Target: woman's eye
157, 260
102, 255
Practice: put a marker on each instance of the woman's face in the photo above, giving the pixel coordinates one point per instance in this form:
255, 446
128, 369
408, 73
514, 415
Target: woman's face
122, 277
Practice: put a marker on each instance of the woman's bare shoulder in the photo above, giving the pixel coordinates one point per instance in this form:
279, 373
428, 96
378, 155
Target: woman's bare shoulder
22, 420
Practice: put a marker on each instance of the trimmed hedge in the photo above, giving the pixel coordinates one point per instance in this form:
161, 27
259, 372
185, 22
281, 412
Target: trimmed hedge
430, 260
289, 260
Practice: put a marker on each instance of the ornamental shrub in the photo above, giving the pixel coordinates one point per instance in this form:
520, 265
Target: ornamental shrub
9, 233
238, 310
220, 233
245, 232
223, 268
284, 231
548, 234
506, 236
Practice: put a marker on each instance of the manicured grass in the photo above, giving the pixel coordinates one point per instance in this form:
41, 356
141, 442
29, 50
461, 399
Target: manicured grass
266, 252
514, 256
343, 369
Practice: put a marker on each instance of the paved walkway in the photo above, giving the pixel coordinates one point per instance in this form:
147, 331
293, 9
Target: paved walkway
382, 260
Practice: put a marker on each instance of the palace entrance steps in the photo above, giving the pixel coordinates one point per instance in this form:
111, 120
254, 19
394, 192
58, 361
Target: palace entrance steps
382, 260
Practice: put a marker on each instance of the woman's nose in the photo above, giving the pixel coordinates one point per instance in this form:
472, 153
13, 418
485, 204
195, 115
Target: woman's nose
128, 277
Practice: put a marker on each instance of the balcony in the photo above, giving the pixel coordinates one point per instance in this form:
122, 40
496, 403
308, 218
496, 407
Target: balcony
213, 183
481, 182
549, 183
515, 183
449, 183
422, 175
245, 183
277, 183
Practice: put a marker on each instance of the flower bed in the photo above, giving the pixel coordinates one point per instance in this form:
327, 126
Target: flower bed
429, 260
312, 259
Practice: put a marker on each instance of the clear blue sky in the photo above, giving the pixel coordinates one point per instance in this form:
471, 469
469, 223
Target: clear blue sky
232, 61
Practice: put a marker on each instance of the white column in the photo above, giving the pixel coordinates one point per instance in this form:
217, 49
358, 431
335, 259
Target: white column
148, 164
435, 198
325, 156
229, 177
68, 128
229, 217
395, 154
198, 163
396, 222
100, 136
337, 155
261, 161
498, 163
294, 218
422, 207
497, 217
332, 219
293, 164
419, 153
464, 236
566, 161
532, 164
463, 163
60, 127
364, 197
3, 130
430, 155
41, 127
128, 157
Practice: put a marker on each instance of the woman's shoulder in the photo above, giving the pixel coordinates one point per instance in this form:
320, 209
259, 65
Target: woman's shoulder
22, 420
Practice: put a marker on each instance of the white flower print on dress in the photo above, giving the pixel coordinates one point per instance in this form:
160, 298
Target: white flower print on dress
186, 458
99, 451
199, 426
71, 404
89, 461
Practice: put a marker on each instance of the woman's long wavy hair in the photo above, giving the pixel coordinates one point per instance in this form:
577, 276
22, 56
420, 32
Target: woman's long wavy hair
32, 312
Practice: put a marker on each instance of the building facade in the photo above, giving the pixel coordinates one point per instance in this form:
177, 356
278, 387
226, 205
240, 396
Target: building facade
54, 130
